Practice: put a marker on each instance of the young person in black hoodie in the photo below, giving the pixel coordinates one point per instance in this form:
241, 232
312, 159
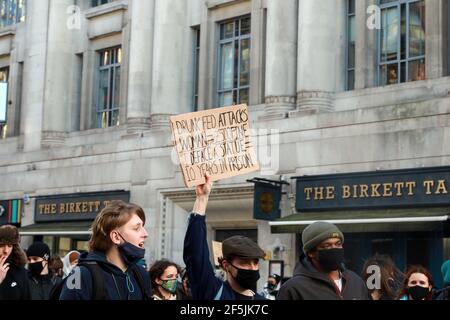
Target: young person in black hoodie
41, 278
321, 273
115, 247
13, 275
240, 259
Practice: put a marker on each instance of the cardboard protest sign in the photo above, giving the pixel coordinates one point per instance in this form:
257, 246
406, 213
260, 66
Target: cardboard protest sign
217, 252
216, 142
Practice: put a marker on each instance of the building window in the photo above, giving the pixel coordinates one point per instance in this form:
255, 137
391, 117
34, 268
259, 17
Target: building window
234, 62
351, 19
196, 68
109, 88
12, 12
401, 41
4, 77
96, 3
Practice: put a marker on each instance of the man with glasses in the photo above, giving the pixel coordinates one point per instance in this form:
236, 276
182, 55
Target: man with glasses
321, 273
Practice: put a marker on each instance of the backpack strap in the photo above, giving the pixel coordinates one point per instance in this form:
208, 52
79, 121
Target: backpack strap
140, 281
98, 287
219, 294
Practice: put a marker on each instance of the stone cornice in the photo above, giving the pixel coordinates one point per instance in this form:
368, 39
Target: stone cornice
219, 193
105, 9
8, 31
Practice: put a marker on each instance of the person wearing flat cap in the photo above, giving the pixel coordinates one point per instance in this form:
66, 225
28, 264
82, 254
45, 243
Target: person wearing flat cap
321, 273
13, 275
240, 259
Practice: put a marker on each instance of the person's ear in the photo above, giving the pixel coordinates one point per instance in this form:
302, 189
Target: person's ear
158, 281
115, 238
225, 265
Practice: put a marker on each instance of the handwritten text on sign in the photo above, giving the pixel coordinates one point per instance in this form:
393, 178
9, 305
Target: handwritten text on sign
216, 142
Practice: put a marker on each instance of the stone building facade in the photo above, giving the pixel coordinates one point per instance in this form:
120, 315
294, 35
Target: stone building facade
92, 84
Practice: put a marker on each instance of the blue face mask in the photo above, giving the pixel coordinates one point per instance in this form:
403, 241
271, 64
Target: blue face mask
130, 253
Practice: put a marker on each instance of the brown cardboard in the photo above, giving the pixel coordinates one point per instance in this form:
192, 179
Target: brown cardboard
216, 141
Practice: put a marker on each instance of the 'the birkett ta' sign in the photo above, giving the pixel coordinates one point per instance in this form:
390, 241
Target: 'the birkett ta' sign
216, 142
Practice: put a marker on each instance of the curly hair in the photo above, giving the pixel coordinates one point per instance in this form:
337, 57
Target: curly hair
158, 269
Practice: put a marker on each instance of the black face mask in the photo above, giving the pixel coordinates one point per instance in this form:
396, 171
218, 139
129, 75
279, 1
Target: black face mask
247, 279
35, 268
271, 286
331, 259
130, 253
418, 292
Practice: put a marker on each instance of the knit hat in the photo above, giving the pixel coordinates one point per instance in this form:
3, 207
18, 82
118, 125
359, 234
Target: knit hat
242, 247
9, 235
39, 249
445, 269
317, 232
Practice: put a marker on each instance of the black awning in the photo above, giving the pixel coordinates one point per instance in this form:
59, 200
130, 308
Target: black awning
69, 228
398, 220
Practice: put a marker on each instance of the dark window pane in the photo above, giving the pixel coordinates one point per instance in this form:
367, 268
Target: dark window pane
418, 252
416, 70
351, 80
245, 63
226, 30
245, 26
417, 29
351, 6
351, 55
117, 88
403, 33
243, 96
227, 66
389, 74
403, 72
389, 34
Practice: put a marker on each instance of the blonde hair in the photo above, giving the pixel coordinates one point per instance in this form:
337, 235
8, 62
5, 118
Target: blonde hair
113, 216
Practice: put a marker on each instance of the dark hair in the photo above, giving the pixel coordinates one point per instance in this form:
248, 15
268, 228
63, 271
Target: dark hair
157, 270
56, 265
416, 269
113, 216
390, 275
18, 257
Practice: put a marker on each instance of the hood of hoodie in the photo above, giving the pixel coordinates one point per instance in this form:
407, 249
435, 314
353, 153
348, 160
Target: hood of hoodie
100, 258
67, 267
446, 272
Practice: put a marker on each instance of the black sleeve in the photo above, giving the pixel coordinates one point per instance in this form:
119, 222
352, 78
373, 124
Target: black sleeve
288, 293
204, 284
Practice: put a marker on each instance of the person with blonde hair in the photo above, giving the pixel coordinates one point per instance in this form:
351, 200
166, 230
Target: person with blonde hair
109, 271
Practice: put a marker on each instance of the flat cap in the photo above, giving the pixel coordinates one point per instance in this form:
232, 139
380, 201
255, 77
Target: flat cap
241, 247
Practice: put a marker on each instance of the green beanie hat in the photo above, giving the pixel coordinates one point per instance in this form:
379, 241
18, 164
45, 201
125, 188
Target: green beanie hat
445, 269
317, 232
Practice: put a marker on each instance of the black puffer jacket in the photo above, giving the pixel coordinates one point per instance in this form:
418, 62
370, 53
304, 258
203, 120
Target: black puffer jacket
310, 284
41, 286
15, 286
